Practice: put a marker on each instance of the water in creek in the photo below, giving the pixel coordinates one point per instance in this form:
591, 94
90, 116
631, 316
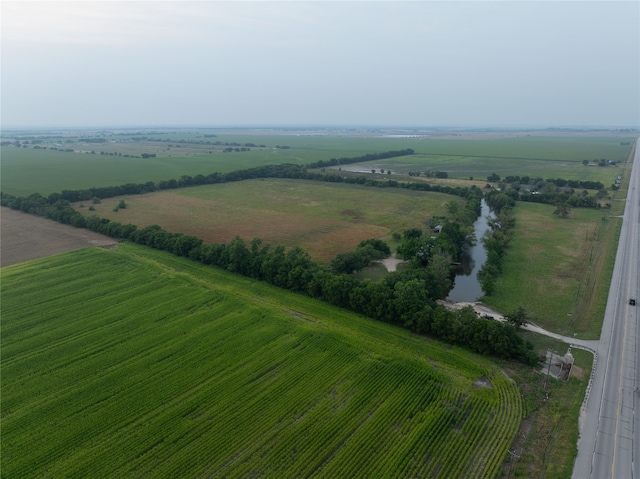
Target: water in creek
466, 286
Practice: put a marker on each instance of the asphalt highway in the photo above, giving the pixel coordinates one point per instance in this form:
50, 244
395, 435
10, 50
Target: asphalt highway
609, 444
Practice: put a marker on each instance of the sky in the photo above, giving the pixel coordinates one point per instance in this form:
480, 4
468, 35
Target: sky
509, 64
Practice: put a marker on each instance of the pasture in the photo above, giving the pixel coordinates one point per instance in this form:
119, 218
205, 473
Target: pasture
322, 218
559, 269
134, 363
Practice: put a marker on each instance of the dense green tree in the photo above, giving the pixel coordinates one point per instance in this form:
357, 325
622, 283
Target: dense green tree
409, 298
348, 262
440, 266
377, 244
412, 233
518, 317
416, 249
562, 210
236, 257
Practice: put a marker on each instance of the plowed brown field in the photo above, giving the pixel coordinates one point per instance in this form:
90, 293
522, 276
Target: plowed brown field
24, 237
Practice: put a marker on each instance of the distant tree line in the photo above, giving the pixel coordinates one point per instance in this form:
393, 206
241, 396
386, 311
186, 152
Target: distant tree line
359, 159
550, 191
236, 149
552, 198
540, 183
430, 174
285, 170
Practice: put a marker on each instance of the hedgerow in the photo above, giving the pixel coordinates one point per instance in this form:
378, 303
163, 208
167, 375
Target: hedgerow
407, 299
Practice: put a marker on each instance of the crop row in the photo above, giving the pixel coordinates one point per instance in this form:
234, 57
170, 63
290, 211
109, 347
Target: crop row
175, 375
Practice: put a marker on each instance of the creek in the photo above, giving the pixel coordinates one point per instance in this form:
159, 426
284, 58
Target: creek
466, 286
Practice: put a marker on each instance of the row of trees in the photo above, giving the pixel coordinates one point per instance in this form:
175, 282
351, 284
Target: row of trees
272, 171
404, 298
554, 198
431, 174
496, 242
537, 181
551, 191
359, 159
407, 299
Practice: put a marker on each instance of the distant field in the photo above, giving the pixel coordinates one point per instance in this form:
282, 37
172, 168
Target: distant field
27, 170
545, 157
322, 218
464, 167
134, 363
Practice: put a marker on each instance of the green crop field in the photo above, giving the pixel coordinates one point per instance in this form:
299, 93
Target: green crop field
133, 363
323, 218
544, 157
479, 168
28, 170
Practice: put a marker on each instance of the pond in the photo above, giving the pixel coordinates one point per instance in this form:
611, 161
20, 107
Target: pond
466, 286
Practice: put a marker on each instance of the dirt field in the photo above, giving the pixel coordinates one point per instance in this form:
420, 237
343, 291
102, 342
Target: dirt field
24, 237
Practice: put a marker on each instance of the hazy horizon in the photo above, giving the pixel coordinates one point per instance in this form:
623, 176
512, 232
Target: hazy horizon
352, 64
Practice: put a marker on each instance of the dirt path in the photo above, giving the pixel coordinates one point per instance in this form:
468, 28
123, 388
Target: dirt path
391, 263
24, 237
486, 311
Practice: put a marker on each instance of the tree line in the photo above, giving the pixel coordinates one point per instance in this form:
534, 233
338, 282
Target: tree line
290, 171
361, 159
559, 182
550, 191
496, 242
406, 298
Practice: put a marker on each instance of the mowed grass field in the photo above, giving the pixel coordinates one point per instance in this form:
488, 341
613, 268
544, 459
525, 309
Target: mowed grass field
133, 363
322, 218
559, 269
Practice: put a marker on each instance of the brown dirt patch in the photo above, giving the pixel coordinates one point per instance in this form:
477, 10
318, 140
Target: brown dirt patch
25, 237
483, 382
577, 372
